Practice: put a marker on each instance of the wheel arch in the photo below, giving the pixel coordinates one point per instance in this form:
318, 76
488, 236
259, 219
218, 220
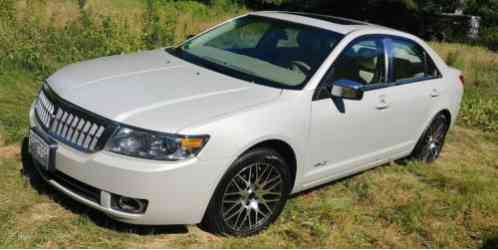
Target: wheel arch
444, 111
285, 150
447, 113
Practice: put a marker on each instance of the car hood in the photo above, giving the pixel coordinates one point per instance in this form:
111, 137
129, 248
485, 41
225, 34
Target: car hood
155, 90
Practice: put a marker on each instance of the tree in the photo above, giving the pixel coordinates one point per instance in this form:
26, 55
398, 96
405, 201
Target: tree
486, 9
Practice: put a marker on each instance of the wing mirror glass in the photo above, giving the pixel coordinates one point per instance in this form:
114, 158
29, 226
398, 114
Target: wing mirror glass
347, 89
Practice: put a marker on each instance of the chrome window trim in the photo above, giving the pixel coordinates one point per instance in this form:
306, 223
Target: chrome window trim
389, 82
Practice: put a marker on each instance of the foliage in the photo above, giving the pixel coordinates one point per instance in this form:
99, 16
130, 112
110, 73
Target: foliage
489, 37
480, 112
488, 11
156, 33
479, 65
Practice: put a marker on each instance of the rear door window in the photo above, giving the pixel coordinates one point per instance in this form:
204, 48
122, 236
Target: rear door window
410, 62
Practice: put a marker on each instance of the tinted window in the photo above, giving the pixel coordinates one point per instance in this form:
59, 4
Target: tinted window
411, 62
290, 41
246, 37
262, 50
362, 61
432, 70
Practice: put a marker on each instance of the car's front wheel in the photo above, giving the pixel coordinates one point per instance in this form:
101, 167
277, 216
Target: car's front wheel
431, 143
250, 196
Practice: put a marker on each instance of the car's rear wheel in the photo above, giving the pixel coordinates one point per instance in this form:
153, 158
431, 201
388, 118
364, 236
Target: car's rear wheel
432, 141
250, 196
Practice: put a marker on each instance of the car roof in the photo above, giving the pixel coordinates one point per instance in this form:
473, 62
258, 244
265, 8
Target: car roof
336, 24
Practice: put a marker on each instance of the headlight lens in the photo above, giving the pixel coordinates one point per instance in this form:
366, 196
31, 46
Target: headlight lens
155, 145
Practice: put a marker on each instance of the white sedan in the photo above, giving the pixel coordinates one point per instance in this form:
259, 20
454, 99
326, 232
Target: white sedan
221, 129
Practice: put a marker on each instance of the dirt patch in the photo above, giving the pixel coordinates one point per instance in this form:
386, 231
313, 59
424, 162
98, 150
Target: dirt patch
38, 213
13, 151
41, 213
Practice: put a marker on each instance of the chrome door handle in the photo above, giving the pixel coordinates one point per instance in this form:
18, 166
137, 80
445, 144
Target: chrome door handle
434, 93
382, 103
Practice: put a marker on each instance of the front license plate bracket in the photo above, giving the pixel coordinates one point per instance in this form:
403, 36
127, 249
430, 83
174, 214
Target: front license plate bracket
42, 150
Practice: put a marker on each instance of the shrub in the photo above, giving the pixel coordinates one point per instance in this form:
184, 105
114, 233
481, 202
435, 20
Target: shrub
489, 37
479, 112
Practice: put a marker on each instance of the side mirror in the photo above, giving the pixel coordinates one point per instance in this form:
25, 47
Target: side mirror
347, 89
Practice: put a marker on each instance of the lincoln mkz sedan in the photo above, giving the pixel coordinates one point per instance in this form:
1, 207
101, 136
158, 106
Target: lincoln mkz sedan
221, 129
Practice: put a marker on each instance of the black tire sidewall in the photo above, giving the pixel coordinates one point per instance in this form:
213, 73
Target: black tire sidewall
421, 142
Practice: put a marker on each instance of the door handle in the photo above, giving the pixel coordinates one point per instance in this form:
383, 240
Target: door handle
434, 93
382, 103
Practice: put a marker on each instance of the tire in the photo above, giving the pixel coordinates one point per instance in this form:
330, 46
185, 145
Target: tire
250, 196
431, 143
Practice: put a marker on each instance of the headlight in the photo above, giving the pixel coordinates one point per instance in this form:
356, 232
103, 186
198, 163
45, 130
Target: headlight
155, 145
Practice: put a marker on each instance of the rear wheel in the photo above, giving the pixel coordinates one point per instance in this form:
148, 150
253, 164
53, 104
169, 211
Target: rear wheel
250, 196
431, 143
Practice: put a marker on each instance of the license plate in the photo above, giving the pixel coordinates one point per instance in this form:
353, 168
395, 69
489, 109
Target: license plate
42, 150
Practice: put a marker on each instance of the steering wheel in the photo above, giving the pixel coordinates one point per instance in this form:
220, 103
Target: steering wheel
300, 66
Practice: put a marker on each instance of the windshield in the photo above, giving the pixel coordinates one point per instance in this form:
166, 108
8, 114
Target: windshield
262, 50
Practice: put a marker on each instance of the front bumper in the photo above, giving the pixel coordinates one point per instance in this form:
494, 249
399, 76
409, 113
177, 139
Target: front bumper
177, 192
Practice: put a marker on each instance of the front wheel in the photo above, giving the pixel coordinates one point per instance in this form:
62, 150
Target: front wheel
250, 196
431, 143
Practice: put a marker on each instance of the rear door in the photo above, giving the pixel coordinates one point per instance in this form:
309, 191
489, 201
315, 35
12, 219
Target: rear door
415, 88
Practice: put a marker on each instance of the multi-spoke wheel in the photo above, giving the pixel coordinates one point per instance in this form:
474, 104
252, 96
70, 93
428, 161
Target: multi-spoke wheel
250, 196
431, 143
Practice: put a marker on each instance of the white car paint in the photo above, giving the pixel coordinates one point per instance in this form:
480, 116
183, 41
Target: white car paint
157, 91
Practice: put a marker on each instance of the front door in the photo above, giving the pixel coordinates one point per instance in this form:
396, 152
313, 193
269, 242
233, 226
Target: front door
347, 134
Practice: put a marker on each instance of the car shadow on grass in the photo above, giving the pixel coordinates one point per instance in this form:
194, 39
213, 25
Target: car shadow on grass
397, 163
100, 219
491, 242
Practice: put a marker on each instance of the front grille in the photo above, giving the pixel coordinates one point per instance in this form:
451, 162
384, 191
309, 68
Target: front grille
71, 125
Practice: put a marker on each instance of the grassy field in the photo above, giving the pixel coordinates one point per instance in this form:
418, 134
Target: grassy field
450, 204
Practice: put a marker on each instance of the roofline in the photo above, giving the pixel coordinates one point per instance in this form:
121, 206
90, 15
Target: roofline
359, 26
311, 14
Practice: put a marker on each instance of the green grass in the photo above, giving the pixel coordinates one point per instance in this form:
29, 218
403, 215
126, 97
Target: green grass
450, 204
17, 91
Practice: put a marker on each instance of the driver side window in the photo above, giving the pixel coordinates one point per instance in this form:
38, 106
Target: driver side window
362, 61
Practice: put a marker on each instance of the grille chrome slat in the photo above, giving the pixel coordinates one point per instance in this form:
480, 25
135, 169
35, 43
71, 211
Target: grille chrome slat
71, 125
81, 124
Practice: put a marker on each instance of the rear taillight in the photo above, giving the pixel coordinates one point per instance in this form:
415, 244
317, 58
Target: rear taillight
462, 79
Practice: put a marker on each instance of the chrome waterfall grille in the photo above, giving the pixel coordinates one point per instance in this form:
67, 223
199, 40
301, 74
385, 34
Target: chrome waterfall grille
71, 125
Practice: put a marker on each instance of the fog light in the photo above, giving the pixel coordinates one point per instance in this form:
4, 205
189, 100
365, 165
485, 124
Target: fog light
128, 204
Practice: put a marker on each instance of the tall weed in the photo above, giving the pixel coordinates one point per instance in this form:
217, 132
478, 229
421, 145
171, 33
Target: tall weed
480, 68
480, 112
